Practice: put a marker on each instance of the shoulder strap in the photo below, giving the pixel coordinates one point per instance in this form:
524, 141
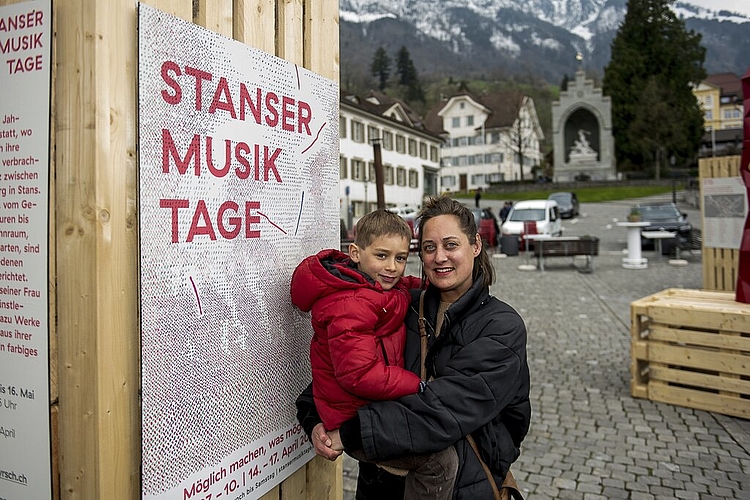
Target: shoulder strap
422, 336
490, 477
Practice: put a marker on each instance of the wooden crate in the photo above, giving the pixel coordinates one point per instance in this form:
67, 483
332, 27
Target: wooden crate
692, 348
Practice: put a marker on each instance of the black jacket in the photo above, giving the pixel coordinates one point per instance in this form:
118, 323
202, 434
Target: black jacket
481, 387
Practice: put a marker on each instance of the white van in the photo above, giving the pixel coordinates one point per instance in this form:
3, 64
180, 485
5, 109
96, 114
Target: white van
545, 213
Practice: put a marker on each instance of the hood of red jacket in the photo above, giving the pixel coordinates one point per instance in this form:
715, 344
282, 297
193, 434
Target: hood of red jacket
321, 274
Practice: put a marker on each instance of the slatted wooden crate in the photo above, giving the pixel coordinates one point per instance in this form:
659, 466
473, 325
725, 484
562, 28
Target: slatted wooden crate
692, 348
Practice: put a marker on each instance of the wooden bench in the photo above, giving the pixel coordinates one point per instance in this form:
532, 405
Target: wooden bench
567, 246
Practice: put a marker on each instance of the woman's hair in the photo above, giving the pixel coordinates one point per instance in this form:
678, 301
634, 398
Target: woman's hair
444, 205
380, 223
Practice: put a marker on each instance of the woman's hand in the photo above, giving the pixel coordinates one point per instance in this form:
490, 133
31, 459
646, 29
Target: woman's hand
323, 443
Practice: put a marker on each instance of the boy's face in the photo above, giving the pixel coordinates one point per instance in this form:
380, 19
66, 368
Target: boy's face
383, 260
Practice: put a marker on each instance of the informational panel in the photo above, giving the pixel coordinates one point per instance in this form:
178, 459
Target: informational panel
724, 211
238, 182
25, 30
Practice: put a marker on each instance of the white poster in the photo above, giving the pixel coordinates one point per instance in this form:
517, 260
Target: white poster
25, 30
238, 182
724, 211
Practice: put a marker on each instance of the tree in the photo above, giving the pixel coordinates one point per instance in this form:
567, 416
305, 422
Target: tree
407, 76
653, 53
523, 136
381, 67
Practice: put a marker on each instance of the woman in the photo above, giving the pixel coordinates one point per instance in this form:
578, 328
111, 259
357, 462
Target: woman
476, 364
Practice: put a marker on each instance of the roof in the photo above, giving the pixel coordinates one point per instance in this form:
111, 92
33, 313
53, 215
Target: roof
502, 106
387, 108
729, 83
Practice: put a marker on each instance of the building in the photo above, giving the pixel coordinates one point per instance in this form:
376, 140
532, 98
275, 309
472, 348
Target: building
720, 97
584, 147
410, 154
488, 139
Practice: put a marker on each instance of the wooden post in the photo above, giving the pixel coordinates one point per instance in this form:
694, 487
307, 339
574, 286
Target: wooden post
94, 345
720, 265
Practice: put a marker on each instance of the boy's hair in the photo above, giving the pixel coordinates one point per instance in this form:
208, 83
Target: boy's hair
380, 223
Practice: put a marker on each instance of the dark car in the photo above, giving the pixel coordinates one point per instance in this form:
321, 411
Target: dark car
567, 203
488, 225
665, 216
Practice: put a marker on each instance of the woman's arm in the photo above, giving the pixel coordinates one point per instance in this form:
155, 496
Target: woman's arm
308, 418
478, 381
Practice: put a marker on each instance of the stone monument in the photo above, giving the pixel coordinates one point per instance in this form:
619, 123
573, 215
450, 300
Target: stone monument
582, 133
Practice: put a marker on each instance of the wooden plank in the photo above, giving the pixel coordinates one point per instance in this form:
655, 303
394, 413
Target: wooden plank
696, 338
325, 479
254, 22
699, 381
290, 35
95, 228
215, 15
321, 50
178, 8
702, 359
700, 318
295, 486
699, 400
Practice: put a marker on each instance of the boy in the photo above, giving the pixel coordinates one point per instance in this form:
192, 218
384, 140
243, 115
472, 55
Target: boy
358, 305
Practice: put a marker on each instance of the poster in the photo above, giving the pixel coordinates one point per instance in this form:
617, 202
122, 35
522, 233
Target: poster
238, 167
724, 211
25, 30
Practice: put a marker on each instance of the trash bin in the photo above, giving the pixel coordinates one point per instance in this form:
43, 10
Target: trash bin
509, 245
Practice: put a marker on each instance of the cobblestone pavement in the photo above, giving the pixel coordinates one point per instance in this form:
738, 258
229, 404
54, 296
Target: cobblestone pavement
589, 438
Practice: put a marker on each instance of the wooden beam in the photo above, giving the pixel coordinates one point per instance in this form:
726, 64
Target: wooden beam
254, 22
95, 226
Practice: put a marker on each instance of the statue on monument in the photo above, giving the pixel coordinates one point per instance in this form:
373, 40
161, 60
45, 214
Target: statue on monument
581, 146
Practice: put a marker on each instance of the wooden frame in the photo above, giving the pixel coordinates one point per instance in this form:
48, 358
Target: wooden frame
692, 348
720, 265
94, 332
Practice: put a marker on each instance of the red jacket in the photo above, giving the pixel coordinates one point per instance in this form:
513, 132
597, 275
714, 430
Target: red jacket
357, 349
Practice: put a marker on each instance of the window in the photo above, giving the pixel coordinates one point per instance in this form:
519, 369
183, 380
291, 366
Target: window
448, 181
709, 101
412, 147
495, 137
709, 115
371, 171
358, 170
455, 122
446, 161
498, 157
477, 179
401, 176
413, 178
470, 160
463, 141
423, 150
497, 177
387, 140
400, 144
731, 113
433, 153
470, 120
372, 133
342, 167
388, 175
342, 127
479, 159
460, 161
358, 131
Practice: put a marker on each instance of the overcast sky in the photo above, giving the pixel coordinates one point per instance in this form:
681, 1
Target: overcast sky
741, 6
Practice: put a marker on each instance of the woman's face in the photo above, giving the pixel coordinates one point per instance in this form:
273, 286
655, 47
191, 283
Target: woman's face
448, 257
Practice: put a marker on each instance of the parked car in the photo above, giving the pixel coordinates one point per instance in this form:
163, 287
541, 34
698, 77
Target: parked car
544, 213
402, 211
488, 225
664, 216
567, 203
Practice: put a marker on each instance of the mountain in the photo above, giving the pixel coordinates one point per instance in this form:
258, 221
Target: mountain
493, 39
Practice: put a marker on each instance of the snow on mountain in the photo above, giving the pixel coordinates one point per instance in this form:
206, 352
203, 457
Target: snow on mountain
525, 35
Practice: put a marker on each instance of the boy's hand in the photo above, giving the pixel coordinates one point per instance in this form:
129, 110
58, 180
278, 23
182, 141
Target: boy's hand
323, 443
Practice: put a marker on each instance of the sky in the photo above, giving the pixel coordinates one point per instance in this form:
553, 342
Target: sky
741, 6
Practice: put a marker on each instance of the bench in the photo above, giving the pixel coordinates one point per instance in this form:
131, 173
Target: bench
567, 246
